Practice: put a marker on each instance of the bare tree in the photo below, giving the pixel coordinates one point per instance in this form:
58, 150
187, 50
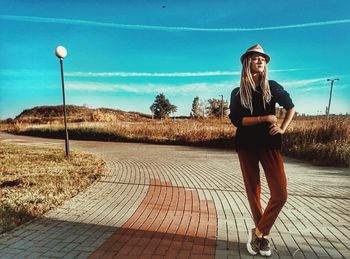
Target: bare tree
214, 108
202, 108
195, 113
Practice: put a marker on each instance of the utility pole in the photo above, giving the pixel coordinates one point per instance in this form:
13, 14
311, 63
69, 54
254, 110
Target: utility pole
330, 95
222, 106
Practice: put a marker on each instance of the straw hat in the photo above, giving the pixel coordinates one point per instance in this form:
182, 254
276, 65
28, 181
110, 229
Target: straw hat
256, 49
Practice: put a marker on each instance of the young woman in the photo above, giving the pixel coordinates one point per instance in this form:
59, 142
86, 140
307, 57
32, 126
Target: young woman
258, 139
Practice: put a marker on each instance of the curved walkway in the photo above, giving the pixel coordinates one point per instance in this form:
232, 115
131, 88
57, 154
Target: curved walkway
182, 202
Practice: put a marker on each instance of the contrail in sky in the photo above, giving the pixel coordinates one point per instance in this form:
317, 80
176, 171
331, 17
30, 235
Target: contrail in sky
29, 72
163, 28
146, 74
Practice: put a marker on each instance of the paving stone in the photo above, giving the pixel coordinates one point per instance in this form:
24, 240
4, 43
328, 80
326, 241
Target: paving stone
183, 201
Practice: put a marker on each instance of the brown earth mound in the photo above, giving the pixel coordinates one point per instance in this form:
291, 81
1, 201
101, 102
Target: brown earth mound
51, 114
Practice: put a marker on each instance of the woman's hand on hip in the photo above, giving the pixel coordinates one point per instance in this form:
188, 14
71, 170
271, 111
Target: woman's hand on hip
275, 129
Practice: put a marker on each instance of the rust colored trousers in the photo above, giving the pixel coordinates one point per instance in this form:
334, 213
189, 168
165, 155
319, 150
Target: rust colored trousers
271, 161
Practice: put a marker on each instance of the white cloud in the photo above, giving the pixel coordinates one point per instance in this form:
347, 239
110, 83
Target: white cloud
313, 84
33, 73
163, 28
305, 85
149, 88
146, 74
304, 82
157, 74
285, 70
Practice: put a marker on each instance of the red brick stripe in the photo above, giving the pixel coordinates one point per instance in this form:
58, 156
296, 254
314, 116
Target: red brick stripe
170, 222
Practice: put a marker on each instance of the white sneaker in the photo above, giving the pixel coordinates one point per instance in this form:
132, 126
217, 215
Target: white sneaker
264, 248
253, 243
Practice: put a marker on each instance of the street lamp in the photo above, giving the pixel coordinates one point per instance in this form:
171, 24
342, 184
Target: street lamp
330, 94
61, 53
222, 106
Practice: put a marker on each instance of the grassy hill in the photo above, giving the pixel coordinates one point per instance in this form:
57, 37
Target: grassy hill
52, 114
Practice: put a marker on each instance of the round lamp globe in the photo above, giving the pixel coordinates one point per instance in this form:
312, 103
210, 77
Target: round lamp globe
60, 52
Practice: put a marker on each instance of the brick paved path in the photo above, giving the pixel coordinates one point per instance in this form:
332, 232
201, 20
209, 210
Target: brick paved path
184, 202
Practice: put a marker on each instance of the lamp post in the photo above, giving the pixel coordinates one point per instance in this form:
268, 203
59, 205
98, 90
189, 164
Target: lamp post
61, 53
222, 106
330, 94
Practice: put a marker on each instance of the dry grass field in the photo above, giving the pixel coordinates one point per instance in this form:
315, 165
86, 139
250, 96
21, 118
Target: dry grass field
169, 131
318, 140
325, 142
34, 180
312, 138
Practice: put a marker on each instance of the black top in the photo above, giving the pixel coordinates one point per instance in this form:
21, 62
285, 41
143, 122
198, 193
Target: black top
257, 136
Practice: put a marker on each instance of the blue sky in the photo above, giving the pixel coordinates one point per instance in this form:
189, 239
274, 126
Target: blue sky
121, 54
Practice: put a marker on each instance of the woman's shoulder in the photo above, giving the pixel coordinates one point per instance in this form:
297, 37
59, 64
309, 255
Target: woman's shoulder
274, 86
235, 91
235, 97
273, 83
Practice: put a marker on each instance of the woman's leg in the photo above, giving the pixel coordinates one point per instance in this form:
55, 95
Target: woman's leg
272, 163
249, 161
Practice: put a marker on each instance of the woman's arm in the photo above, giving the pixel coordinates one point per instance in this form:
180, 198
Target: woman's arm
235, 108
248, 121
274, 129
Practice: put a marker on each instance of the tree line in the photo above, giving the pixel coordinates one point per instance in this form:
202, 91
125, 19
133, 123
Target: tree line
213, 108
